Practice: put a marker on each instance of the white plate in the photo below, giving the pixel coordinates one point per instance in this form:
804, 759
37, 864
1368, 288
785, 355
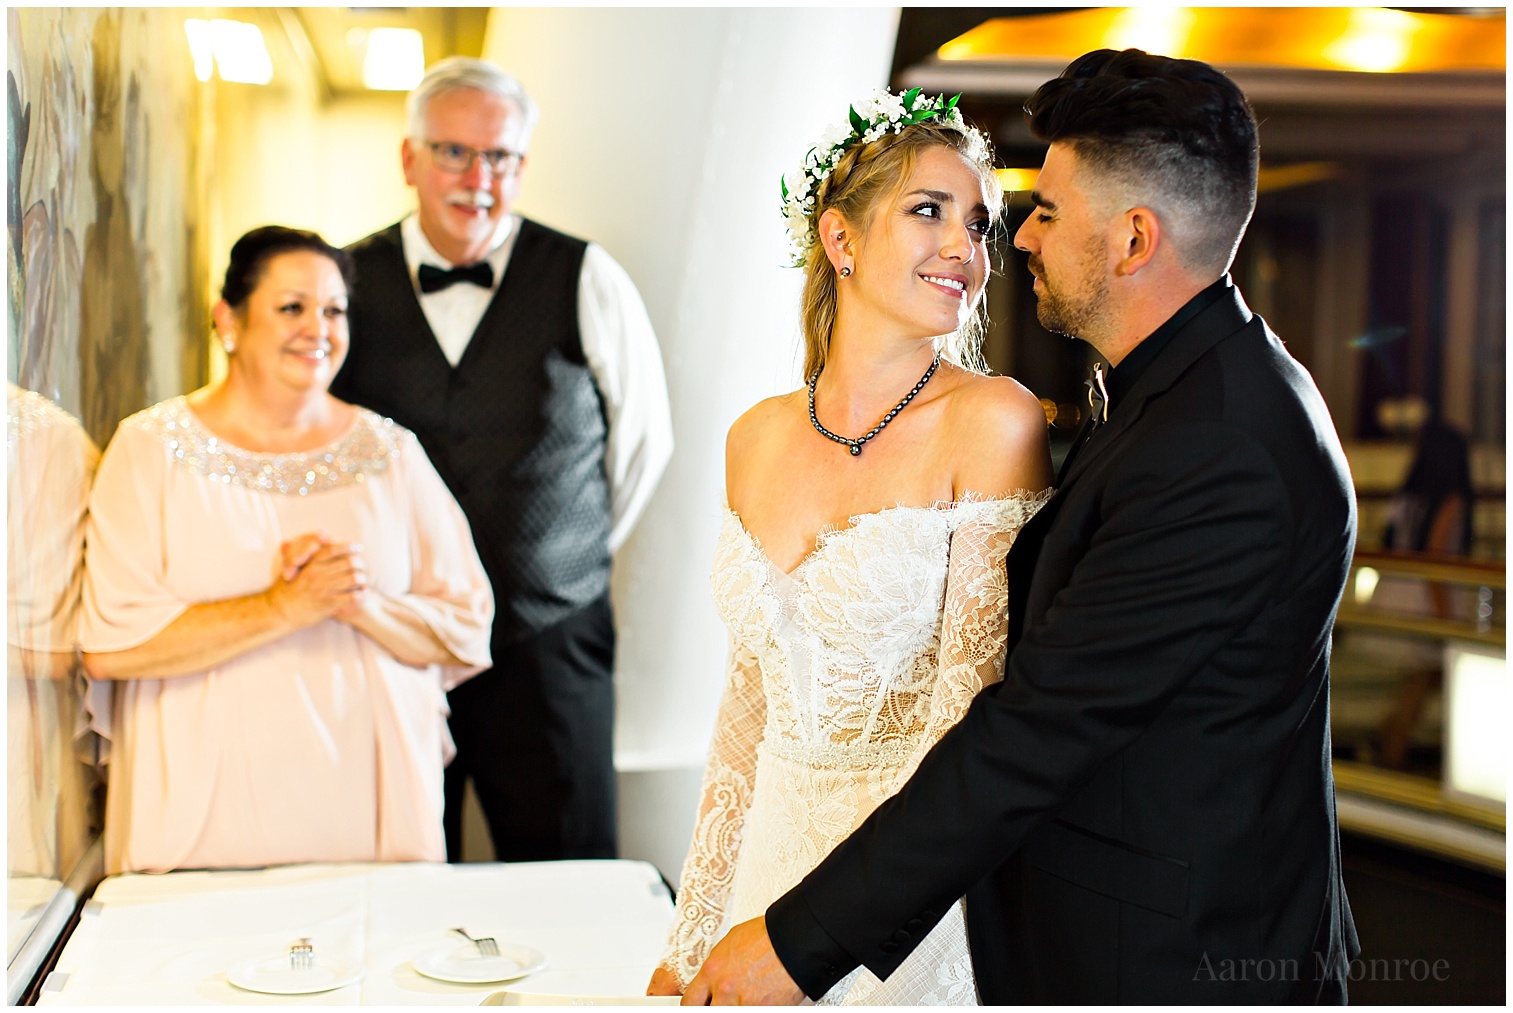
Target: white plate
273, 976
464, 965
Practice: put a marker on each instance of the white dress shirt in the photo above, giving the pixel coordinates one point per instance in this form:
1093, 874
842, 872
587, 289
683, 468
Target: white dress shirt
618, 344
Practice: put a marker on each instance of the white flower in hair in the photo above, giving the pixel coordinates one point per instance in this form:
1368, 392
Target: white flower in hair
834, 134
882, 113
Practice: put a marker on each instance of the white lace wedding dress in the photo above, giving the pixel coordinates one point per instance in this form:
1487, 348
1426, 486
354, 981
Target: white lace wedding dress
843, 674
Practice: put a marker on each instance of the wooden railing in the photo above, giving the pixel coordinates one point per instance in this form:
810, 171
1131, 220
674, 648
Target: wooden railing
1410, 810
1434, 569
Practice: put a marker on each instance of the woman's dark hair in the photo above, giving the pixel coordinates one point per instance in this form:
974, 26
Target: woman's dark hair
1178, 130
1441, 468
252, 252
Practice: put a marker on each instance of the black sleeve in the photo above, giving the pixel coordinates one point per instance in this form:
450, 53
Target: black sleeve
1188, 547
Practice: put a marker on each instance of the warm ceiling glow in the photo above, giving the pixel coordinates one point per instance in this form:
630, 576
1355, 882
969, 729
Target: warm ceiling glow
1017, 180
235, 48
1315, 38
395, 59
1298, 174
1377, 40
1153, 29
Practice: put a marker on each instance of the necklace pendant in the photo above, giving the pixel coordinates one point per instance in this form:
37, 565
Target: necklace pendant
856, 450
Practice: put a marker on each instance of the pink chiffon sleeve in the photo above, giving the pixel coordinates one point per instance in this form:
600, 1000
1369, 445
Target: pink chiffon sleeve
127, 598
449, 591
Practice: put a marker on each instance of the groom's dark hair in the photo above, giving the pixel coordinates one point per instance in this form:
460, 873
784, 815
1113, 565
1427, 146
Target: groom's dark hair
1175, 134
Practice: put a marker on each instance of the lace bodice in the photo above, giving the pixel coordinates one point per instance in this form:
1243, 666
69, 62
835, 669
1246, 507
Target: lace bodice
843, 673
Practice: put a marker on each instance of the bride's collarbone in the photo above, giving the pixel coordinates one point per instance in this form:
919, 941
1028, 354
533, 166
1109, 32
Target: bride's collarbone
793, 488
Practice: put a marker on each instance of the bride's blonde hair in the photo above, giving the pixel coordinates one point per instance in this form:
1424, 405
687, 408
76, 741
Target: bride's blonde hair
866, 176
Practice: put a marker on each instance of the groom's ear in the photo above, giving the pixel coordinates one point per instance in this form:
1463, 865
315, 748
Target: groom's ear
1139, 237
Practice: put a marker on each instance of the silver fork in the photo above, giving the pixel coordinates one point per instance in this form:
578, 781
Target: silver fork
486, 945
302, 955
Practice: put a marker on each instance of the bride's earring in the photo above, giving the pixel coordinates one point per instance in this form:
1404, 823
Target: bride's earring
229, 344
845, 272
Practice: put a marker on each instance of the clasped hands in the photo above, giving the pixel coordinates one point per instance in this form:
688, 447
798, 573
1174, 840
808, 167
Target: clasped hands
319, 578
743, 970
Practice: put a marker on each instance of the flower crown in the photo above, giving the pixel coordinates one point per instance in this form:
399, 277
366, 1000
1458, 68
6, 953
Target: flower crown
883, 113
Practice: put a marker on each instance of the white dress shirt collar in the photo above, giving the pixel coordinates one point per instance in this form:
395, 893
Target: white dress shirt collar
418, 249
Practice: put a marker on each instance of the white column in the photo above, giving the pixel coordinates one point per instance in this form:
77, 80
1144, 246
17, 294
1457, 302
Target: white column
663, 137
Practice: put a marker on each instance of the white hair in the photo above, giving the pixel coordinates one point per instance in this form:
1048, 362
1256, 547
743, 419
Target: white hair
458, 72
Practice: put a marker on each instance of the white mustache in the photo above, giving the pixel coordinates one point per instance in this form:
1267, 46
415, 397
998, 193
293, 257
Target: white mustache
471, 198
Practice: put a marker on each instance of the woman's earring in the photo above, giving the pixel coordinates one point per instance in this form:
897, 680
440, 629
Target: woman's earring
229, 346
845, 272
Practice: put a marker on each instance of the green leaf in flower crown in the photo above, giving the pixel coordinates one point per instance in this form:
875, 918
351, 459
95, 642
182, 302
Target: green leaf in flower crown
909, 97
952, 104
784, 184
857, 123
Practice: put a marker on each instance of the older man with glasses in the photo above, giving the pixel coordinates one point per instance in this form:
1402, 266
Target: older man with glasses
524, 361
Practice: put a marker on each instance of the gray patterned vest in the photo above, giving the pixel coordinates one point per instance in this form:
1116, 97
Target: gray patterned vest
516, 430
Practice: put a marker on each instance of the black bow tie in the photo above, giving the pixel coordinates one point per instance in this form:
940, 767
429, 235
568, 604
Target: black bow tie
434, 279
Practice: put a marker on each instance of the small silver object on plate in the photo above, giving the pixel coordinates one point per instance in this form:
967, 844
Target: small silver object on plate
486, 944
302, 955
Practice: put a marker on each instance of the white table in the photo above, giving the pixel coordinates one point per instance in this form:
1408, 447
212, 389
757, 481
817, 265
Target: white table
169, 939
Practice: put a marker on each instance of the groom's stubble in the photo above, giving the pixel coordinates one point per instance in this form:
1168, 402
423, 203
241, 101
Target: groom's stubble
1075, 306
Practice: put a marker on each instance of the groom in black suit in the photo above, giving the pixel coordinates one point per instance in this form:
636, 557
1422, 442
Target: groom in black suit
1143, 810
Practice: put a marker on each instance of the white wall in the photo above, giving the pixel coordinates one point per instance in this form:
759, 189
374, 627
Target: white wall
663, 136
283, 156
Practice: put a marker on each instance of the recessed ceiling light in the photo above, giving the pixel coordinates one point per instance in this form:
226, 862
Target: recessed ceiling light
240, 53
200, 47
395, 59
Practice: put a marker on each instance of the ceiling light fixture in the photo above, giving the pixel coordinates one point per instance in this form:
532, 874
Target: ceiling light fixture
1154, 29
236, 48
395, 59
200, 47
1377, 40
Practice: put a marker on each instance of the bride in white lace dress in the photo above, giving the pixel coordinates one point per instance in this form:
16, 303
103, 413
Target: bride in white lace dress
862, 579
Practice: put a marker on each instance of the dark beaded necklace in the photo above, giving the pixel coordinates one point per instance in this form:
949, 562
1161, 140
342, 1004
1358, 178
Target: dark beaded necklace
856, 444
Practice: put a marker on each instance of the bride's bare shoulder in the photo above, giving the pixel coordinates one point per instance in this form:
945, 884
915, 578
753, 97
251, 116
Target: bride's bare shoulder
761, 424
996, 404
758, 438
1000, 428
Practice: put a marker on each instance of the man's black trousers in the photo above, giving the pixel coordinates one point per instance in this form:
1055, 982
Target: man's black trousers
535, 735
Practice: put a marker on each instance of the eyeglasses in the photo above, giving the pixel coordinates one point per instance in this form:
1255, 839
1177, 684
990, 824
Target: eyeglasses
451, 157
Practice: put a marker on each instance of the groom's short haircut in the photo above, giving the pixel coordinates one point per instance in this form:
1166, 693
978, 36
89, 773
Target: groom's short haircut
1173, 135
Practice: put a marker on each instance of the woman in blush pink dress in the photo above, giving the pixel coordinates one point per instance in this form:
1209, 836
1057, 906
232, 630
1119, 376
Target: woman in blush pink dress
280, 590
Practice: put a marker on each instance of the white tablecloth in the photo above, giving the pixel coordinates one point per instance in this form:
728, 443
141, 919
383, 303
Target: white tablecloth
169, 939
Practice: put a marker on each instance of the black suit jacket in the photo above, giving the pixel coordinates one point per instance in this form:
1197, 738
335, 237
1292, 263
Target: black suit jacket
1143, 810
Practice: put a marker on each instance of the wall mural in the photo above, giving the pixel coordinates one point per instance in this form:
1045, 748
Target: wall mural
108, 311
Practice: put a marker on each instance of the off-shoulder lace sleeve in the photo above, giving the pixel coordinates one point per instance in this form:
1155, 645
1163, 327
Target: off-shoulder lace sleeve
724, 800
975, 619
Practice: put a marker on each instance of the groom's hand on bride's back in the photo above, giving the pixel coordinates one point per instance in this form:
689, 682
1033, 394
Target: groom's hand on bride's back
743, 970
